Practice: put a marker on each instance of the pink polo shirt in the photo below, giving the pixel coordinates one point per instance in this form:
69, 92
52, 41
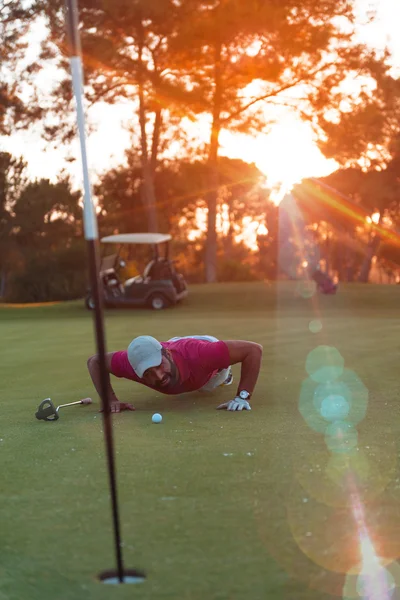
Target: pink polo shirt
196, 360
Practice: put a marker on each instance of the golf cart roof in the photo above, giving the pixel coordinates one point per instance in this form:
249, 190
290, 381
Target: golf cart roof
137, 238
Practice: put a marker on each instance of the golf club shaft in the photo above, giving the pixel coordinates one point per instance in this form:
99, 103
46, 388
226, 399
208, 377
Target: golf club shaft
69, 404
91, 236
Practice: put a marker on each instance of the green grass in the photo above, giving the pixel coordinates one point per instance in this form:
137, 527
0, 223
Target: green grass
203, 525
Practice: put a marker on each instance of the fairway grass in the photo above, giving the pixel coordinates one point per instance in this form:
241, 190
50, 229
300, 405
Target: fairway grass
214, 505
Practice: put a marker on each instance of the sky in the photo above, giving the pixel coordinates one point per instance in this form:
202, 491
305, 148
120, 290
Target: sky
286, 154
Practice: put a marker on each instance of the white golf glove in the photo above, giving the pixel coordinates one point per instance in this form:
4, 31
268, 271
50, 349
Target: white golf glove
235, 404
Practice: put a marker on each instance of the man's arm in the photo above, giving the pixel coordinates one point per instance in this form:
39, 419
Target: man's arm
93, 365
249, 354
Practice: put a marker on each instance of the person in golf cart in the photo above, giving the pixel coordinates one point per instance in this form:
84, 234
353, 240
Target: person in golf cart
325, 283
183, 364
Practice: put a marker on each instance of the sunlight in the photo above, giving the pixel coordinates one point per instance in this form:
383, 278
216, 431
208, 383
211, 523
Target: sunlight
250, 229
285, 151
375, 218
286, 155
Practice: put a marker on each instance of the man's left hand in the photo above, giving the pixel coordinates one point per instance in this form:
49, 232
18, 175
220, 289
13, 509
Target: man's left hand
235, 404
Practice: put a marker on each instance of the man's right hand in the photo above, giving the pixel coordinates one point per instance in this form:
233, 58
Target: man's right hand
117, 406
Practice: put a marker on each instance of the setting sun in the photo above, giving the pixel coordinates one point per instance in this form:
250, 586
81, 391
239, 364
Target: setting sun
285, 155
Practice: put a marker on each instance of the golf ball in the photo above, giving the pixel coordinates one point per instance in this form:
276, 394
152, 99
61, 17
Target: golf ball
156, 418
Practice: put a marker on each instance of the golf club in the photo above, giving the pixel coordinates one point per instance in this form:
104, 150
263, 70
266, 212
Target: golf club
48, 412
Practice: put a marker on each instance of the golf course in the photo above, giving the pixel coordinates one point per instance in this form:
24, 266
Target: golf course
214, 505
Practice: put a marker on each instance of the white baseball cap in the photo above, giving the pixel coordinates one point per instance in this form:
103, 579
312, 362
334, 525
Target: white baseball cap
144, 352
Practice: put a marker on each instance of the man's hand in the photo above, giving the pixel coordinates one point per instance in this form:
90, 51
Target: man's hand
235, 404
117, 406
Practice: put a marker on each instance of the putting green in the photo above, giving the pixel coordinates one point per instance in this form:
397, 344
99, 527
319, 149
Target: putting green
214, 505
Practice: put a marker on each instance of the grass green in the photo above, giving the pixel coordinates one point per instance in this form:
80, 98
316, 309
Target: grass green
209, 500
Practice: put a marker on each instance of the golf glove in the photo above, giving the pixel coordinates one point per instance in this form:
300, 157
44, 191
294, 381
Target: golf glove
235, 404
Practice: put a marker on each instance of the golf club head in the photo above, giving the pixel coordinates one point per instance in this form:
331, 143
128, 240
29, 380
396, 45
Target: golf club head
47, 411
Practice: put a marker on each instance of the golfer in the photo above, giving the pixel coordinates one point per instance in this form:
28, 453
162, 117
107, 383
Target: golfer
182, 364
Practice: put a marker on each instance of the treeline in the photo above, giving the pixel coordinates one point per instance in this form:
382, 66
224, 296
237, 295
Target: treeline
42, 251
43, 256
173, 61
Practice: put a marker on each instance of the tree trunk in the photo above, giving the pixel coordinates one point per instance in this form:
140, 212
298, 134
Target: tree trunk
3, 279
229, 242
156, 140
212, 196
148, 194
369, 255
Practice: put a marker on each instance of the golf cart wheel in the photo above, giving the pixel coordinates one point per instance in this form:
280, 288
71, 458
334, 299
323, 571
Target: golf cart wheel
89, 303
157, 302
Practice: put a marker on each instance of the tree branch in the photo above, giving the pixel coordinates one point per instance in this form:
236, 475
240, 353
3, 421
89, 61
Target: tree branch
225, 121
99, 95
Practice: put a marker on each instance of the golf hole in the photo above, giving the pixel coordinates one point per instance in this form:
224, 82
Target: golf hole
129, 576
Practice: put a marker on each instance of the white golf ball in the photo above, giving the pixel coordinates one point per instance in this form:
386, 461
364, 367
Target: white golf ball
156, 418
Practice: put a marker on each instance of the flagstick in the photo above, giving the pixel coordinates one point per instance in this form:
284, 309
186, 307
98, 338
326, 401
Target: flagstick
91, 237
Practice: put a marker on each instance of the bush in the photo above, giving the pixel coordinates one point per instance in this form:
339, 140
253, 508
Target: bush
233, 270
59, 275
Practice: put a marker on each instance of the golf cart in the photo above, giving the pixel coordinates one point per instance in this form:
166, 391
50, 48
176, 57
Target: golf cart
160, 285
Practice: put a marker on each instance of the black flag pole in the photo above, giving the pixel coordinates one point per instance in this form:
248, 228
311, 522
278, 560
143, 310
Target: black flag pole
91, 237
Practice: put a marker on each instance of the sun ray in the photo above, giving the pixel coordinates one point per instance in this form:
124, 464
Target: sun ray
313, 194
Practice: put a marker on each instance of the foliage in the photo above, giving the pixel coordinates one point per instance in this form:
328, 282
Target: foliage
176, 59
181, 188
126, 57
12, 181
343, 204
234, 270
227, 45
16, 72
366, 126
59, 275
44, 246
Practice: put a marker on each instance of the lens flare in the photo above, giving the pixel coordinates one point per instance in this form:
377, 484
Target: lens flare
349, 386
341, 436
324, 363
334, 408
315, 326
306, 289
325, 534
374, 581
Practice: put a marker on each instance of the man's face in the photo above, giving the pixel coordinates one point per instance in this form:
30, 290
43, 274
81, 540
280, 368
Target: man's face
164, 375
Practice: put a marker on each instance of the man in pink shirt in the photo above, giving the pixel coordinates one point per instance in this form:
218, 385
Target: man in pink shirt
182, 365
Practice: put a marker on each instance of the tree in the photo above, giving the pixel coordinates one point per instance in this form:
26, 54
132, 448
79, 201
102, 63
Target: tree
268, 244
46, 215
12, 181
126, 57
181, 190
226, 45
15, 72
377, 194
119, 197
367, 133
359, 208
367, 129
49, 255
